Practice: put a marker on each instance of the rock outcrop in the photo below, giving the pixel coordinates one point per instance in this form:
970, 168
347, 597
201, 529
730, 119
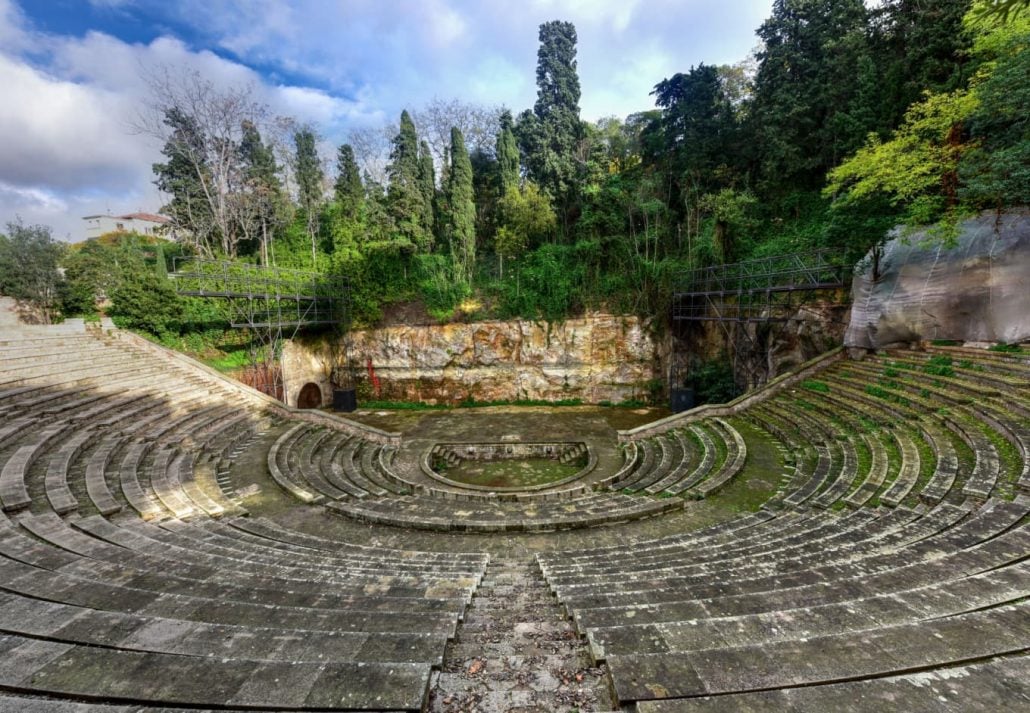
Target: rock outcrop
600, 357
977, 290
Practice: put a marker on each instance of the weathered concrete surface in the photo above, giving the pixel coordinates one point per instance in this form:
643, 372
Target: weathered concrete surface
599, 357
974, 291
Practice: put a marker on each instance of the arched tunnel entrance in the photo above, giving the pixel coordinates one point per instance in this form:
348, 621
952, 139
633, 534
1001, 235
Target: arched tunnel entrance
310, 396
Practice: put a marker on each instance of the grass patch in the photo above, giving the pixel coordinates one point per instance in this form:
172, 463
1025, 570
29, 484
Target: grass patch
882, 393
939, 366
1006, 348
927, 466
403, 406
230, 361
893, 466
819, 386
946, 343
759, 479
864, 458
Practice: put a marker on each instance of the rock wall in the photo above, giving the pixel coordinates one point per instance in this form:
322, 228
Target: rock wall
977, 290
601, 357
303, 364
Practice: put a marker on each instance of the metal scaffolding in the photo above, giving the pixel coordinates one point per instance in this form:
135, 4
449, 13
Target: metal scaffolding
272, 303
763, 290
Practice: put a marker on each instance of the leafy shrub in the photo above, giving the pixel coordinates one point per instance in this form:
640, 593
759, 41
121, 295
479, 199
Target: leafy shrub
713, 381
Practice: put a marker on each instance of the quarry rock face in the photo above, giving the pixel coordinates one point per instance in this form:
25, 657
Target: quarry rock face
600, 357
977, 290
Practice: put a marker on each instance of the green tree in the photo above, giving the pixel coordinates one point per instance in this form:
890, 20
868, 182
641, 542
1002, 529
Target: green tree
185, 177
917, 169
309, 184
549, 136
348, 189
29, 258
526, 219
406, 196
698, 130
461, 209
804, 79
427, 182
265, 209
995, 173
507, 151
919, 46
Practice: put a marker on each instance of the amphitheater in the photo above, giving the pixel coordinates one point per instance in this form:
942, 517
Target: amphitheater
175, 541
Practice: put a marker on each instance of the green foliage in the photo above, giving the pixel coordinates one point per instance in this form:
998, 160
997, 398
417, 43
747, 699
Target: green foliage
460, 228
348, 189
548, 136
440, 284
406, 197
143, 302
1005, 348
525, 220
713, 381
806, 97
819, 386
939, 366
29, 258
507, 154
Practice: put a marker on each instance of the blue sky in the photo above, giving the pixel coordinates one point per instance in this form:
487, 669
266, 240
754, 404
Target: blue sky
73, 72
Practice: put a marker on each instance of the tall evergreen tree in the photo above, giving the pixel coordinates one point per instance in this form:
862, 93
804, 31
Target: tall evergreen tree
461, 204
920, 46
805, 78
549, 136
309, 183
348, 189
182, 177
265, 204
507, 154
405, 195
427, 182
309, 170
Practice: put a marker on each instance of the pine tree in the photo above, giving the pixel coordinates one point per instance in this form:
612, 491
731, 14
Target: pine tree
507, 154
405, 196
182, 177
461, 215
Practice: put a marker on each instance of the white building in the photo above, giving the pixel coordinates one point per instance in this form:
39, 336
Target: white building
141, 223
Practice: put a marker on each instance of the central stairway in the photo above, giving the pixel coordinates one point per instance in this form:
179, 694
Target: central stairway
515, 651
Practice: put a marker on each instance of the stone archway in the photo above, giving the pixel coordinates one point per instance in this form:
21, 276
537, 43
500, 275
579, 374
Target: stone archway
310, 396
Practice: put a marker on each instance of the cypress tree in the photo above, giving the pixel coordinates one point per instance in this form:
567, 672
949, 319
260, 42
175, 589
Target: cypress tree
405, 197
549, 139
427, 182
461, 217
348, 187
309, 183
507, 154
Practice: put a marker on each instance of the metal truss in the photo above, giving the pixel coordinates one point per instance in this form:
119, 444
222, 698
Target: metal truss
763, 290
272, 303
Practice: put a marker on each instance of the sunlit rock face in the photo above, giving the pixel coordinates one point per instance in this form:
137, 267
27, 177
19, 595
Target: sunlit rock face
978, 290
600, 357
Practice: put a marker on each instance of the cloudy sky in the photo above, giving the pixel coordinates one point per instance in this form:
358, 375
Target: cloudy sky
71, 73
